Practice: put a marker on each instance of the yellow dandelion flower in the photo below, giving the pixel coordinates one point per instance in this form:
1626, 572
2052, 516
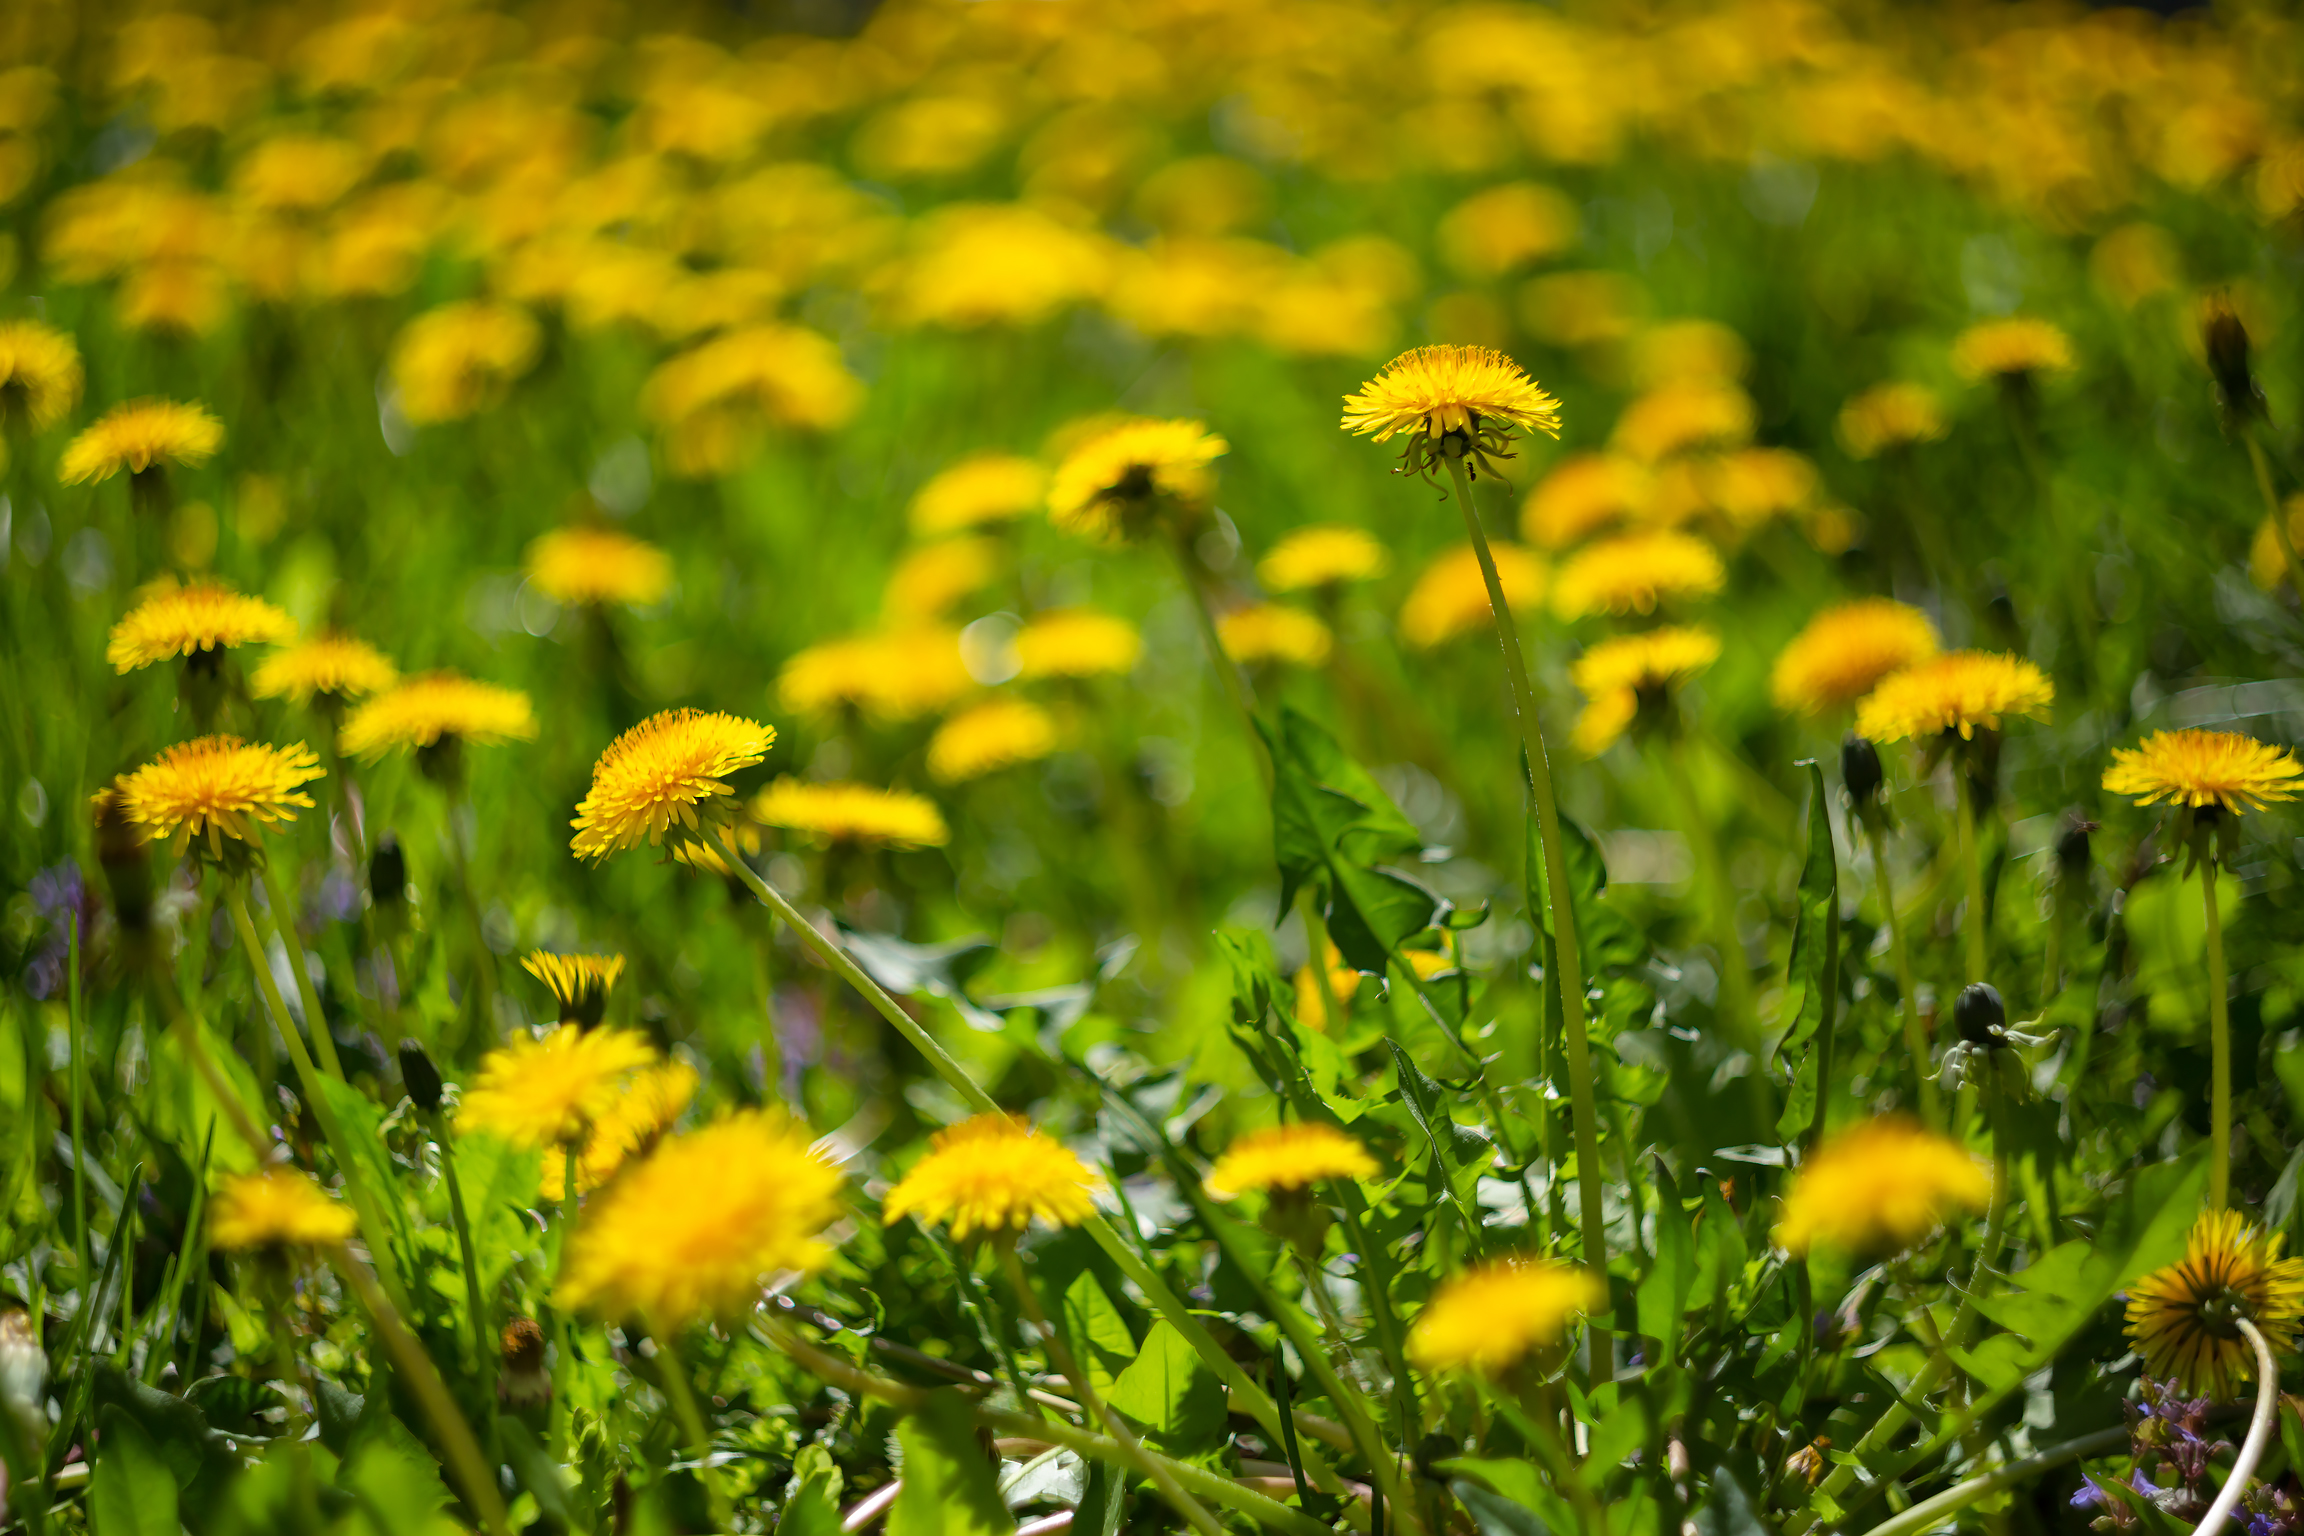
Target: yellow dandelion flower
1748, 486
983, 488
1288, 1157
458, 359
1583, 494
217, 787
338, 665
851, 813
715, 401
1493, 1317
139, 437
1076, 642
1322, 555
435, 707
693, 1229
670, 769
1958, 691
645, 1110
579, 983
930, 579
1343, 982
1123, 482
2201, 768
2183, 1318
1621, 674
1683, 351
2019, 347
2267, 566
549, 1092
1891, 415
1274, 632
1458, 400
40, 375
278, 1208
590, 564
1451, 596
1494, 231
997, 734
993, 1173
1879, 1188
896, 675
1633, 572
181, 621
1846, 650
1681, 417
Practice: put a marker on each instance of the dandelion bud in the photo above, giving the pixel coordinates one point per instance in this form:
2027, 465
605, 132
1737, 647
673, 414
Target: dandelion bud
388, 874
525, 1382
1860, 769
2226, 339
127, 860
419, 1076
2074, 854
1979, 1015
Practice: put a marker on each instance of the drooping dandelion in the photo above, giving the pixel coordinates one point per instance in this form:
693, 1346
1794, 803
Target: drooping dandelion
993, 1173
2185, 1318
1880, 1188
1496, 1317
668, 772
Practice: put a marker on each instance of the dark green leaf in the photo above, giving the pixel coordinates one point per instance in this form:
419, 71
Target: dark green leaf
1461, 1155
1813, 977
1664, 1292
1095, 1330
1103, 1502
132, 1492
1731, 1510
950, 1485
1169, 1391
1495, 1515
1517, 1482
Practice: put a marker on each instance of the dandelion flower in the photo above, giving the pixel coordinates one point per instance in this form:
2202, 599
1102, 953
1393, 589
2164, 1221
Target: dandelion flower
1288, 1157
654, 1098
438, 707
894, 676
1493, 1317
2184, 1318
1892, 415
983, 488
2203, 768
1633, 572
1682, 417
1458, 400
1583, 494
549, 1092
993, 1173
278, 1208
337, 665
1623, 673
217, 787
591, 565
2019, 347
1322, 555
715, 401
692, 1229
670, 769
1879, 1188
1845, 651
851, 813
139, 437
1274, 632
183, 621
929, 580
1958, 691
1748, 486
1496, 230
1076, 642
1121, 483
458, 359
580, 983
40, 375
997, 734
1451, 596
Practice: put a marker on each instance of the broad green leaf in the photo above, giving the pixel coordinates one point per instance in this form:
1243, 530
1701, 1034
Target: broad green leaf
1495, 1515
500, 1182
1170, 1392
1814, 974
951, 1487
132, 1492
396, 1481
1517, 1482
1460, 1154
1103, 1502
1096, 1331
1664, 1291
1731, 1509
1720, 1249
1605, 937
1331, 825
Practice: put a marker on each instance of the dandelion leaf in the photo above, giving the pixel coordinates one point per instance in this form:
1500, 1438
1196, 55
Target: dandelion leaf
1813, 977
951, 1487
132, 1492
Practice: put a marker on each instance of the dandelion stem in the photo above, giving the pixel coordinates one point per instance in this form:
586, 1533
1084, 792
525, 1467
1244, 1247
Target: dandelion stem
1931, 1514
1583, 1111
2259, 1434
1972, 862
185, 1026
284, 923
1916, 1043
674, 1371
1227, 670
2219, 1044
2280, 533
483, 1359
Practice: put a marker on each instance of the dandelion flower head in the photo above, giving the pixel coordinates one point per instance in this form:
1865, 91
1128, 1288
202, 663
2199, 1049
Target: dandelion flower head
932, 577
40, 374
549, 1092
1493, 1317
423, 711
2203, 768
579, 983
217, 787
1846, 650
1288, 1157
456, 360
2184, 1318
338, 665
982, 488
1449, 399
2015, 348
987, 737
1583, 494
1879, 1188
692, 1229
851, 813
592, 565
1076, 642
895, 675
654, 1098
1322, 555
1451, 595
1620, 674
1122, 482
669, 770
278, 1208
139, 436
1682, 417
1961, 691
179, 621
1633, 572
1891, 415
993, 1173
1274, 632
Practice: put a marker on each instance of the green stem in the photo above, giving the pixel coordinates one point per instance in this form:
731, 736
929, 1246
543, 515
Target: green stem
185, 1026
79, 1046
1916, 1042
483, 958
1583, 1104
1227, 670
483, 1358
284, 924
1933, 1513
1323, 984
674, 1371
2219, 1047
1972, 861
2272, 509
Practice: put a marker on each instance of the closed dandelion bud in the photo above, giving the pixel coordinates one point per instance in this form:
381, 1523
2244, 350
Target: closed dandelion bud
2074, 853
1808, 1463
127, 860
419, 1076
2226, 340
388, 874
1979, 1015
1860, 770
524, 1382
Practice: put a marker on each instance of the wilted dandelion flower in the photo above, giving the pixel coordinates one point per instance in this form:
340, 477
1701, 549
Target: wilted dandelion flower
1633, 572
1678, 418
2204, 768
40, 375
993, 1173
2185, 1318
895, 675
693, 1229
1878, 1188
654, 1098
591, 564
1844, 652
549, 1092
982, 488
996, 734
1891, 415
435, 708
139, 437
1122, 483
217, 787
2019, 347
1492, 1318
1455, 401
1961, 691
189, 620
1322, 555
1451, 596
669, 770
1076, 642
1274, 632
1583, 494
579, 983
338, 665
278, 1208
456, 360
933, 577
851, 813
1625, 673
1288, 1157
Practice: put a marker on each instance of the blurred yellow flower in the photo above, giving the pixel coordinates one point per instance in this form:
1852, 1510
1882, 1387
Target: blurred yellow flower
458, 359
1492, 1318
181, 621
2267, 566
1491, 233
1878, 1188
856, 814
1125, 482
1451, 399
669, 770
298, 172
426, 710
932, 577
998, 264
1891, 415
992, 1173
579, 983
2015, 348
996, 734
716, 400
1846, 650
1748, 486
138, 437
1959, 691
40, 375
549, 1092
1288, 1157
1689, 352
1633, 572
1682, 416
1322, 555
2202, 768
645, 1110
277, 1208
1076, 642
590, 564
1274, 632
1451, 595
2181, 1316
894, 676
217, 787
1624, 672
1581, 495
338, 665
982, 488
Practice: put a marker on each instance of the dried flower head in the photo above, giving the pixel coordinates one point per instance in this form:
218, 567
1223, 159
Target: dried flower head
2203, 768
435, 708
1453, 402
278, 1208
670, 770
338, 665
182, 621
217, 787
1846, 650
1961, 691
138, 437
851, 813
993, 1173
1450, 597
1288, 1157
1322, 555
1134, 478
40, 375
1493, 1318
2185, 1318
1878, 1188
996, 734
1633, 572
594, 565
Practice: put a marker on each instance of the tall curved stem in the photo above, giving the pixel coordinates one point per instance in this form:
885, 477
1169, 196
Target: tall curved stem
2259, 1435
